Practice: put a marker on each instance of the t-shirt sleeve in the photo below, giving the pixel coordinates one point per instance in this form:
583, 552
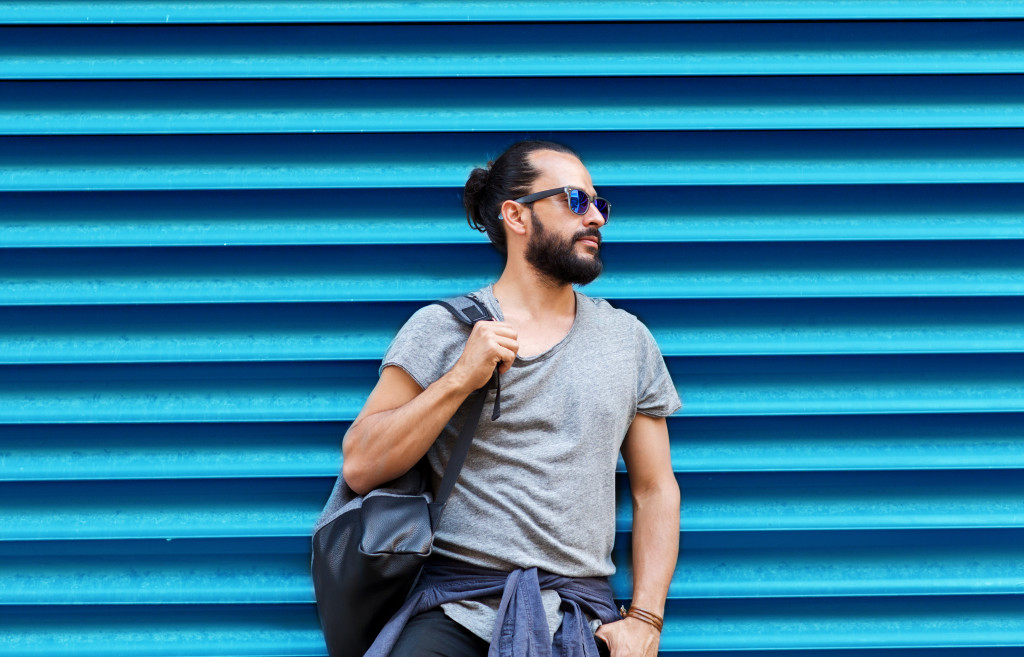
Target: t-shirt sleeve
656, 394
428, 345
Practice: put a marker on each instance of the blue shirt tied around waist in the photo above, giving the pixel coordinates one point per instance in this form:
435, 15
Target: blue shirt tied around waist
521, 628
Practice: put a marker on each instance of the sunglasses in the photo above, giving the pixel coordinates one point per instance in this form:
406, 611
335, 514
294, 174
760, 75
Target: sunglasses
579, 201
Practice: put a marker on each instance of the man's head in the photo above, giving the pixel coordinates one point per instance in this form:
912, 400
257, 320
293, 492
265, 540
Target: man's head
537, 201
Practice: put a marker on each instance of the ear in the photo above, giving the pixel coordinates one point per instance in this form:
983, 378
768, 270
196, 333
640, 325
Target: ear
513, 217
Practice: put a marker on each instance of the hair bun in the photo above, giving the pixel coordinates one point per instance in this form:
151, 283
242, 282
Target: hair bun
473, 195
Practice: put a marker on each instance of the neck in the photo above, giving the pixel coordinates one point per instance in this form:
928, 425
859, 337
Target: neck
522, 290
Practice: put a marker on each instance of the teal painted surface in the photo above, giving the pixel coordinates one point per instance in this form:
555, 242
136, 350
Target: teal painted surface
539, 50
680, 214
215, 215
400, 11
362, 331
513, 104
687, 158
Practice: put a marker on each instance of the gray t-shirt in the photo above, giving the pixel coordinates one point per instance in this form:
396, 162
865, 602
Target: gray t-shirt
538, 485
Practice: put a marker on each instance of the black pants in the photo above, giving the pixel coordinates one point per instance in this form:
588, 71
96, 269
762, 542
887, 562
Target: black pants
432, 634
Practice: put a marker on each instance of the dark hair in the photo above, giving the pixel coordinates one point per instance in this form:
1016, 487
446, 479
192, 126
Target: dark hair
507, 177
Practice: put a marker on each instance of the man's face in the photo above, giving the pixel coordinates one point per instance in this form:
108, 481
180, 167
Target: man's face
562, 245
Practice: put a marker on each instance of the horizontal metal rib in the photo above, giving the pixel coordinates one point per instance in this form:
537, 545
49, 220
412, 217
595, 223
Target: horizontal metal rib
891, 563
843, 443
641, 214
199, 630
128, 573
362, 331
85, 452
843, 501
80, 452
863, 623
238, 392
926, 651
329, 391
402, 11
814, 385
216, 572
92, 510
610, 49
902, 623
373, 274
435, 160
832, 326
726, 502
517, 104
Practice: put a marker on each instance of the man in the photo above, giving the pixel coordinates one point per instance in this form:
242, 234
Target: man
580, 380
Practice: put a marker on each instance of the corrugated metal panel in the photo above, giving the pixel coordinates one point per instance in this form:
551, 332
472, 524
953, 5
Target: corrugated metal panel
818, 213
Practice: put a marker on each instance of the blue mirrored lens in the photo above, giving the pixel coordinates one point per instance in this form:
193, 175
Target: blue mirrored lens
602, 206
578, 201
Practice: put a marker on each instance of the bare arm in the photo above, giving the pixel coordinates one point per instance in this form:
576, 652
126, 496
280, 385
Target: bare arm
400, 420
655, 534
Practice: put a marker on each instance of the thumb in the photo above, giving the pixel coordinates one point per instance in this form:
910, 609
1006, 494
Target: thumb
603, 647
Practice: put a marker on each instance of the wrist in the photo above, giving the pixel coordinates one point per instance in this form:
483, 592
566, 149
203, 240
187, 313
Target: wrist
651, 619
653, 604
456, 384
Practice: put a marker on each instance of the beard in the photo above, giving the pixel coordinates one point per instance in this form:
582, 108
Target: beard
557, 259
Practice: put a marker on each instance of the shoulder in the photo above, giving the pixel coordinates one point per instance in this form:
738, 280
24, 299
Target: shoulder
608, 317
434, 324
428, 344
432, 314
436, 318
619, 327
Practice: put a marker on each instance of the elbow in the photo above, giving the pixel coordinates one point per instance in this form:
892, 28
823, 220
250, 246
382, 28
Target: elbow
367, 460
667, 495
672, 495
353, 464
355, 476
664, 492
672, 490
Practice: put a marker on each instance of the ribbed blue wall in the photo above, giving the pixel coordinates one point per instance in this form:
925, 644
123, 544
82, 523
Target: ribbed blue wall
215, 215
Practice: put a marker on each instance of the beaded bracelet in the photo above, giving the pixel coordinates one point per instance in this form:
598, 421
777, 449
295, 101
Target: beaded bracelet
648, 617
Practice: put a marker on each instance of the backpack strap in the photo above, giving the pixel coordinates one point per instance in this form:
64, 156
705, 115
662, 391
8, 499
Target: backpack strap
468, 311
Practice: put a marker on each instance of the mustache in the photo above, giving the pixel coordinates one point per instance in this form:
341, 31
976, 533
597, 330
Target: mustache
588, 232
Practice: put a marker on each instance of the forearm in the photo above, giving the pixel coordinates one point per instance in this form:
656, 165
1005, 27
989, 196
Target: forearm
655, 548
382, 446
655, 545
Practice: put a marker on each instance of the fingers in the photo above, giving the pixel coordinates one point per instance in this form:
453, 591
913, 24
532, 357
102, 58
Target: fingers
502, 339
628, 638
503, 355
601, 639
491, 344
495, 328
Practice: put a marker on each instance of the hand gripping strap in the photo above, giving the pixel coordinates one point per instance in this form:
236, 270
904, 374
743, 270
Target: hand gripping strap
469, 311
